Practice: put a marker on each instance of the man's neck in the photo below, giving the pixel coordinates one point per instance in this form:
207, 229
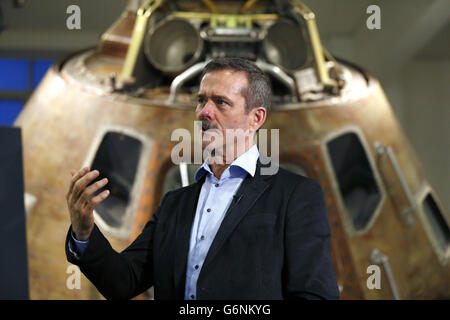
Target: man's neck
219, 168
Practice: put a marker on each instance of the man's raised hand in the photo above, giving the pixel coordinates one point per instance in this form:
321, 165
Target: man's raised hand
80, 202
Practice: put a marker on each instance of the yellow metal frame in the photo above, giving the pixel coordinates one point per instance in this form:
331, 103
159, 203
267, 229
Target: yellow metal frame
227, 20
247, 6
313, 32
211, 6
140, 26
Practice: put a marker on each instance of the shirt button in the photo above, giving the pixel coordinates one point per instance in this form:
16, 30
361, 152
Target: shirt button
216, 185
196, 267
192, 296
202, 238
208, 210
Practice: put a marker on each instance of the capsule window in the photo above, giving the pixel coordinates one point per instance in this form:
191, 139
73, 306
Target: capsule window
117, 159
356, 180
437, 221
174, 180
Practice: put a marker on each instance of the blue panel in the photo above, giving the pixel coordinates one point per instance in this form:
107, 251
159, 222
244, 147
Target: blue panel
40, 67
13, 74
9, 110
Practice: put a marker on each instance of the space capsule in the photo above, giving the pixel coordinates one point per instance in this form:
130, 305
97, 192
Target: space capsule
114, 107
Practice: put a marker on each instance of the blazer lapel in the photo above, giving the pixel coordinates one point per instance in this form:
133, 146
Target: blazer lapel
249, 191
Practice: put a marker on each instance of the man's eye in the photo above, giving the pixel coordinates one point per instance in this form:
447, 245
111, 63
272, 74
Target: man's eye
221, 102
201, 100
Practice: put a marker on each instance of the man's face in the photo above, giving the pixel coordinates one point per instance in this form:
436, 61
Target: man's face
221, 105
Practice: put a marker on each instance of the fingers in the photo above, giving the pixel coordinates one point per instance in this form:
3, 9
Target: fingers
75, 178
89, 191
95, 201
79, 205
82, 182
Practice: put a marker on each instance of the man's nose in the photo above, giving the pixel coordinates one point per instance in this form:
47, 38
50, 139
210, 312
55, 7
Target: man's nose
207, 111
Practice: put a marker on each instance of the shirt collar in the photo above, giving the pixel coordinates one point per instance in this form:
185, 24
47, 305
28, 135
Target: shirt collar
246, 161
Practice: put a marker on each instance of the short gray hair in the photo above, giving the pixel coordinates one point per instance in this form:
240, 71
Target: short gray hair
259, 91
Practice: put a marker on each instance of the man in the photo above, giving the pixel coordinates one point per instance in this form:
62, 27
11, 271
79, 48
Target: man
234, 234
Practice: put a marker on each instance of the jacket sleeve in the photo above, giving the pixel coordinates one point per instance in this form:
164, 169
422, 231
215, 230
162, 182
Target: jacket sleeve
118, 275
308, 272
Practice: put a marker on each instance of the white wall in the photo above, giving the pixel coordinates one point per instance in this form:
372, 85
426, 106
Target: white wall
426, 113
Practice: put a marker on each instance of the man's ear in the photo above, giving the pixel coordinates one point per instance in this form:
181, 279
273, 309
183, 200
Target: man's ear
257, 118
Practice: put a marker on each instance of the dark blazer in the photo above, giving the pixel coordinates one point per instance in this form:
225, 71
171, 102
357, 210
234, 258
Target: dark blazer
274, 243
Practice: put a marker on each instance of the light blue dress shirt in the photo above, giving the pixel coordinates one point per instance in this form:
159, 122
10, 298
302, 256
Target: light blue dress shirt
214, 199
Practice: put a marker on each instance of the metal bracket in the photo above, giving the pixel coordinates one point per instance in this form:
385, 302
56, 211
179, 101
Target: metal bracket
184, 174
179, 80
376, 257
408, 213
140, 26
308, 16
280, 75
